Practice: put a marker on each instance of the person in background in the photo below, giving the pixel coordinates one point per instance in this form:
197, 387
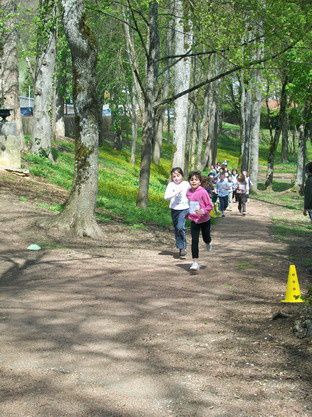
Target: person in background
241, 194
307, 207
223, 189
176, 192
214, 195
200, 206
234, 180
248, 183
231, 186
209, 184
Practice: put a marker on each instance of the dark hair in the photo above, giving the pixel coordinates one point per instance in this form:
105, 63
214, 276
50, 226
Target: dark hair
195, 174
177, 169
241, 178
308, 168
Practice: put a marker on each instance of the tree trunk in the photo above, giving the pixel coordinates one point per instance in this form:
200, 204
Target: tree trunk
245, 126
203, 128
9, 72
158, 136
136, 90
255, 129
271, 157
149, 103
44, 93
183, 42
59, 128
213, 124
78, 215
275, 139
285, 142
193, 138
134, 126
302, 150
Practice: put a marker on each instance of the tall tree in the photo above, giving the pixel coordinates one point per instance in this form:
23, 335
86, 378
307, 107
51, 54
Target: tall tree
182, 78
9, 71
78, 215
149, 104
274, 136
44, 75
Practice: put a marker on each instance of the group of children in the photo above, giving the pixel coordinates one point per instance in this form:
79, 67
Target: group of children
196, 198
228, 186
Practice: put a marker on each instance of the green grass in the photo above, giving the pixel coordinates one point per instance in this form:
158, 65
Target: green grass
56, 208
118, 184
290, 229
119, 179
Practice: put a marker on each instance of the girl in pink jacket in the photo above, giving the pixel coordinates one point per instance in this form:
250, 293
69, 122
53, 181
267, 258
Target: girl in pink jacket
200, 206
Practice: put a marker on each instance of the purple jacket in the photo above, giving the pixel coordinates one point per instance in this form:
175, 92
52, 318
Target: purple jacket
202, 197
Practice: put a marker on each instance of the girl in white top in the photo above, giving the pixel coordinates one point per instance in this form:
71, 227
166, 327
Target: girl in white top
176, 192
241, 193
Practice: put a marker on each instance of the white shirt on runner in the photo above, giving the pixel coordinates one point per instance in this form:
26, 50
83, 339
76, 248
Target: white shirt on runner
176, 193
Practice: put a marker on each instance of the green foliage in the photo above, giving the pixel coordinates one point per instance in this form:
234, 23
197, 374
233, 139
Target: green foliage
56, 208
118, 184
286, 229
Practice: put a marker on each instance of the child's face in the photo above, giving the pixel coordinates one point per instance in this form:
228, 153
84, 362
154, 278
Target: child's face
195, 182
176, 177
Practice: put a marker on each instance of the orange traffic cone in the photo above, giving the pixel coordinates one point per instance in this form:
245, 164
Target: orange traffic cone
293, 294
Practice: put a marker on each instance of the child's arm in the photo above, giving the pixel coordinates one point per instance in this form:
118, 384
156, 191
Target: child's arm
172, 190
205, 204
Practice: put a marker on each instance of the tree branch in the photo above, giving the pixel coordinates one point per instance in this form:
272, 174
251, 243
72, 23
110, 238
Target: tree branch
224, 74
112, 16
138, 30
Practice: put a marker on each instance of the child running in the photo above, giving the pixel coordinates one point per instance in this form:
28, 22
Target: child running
199, 214
176, 193
223, 190
241, 193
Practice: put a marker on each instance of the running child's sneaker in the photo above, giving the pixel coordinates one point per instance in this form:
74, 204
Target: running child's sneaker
209, 246
194, 267
182, 253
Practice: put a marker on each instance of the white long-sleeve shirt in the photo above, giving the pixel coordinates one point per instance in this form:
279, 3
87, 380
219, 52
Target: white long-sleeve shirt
176, 193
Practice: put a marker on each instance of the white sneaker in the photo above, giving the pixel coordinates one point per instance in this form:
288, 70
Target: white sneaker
209, 246
195, 266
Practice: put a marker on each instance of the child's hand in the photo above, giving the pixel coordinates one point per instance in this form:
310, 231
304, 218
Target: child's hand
200, 212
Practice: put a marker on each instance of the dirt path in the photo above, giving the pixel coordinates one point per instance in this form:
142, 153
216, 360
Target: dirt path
122, 329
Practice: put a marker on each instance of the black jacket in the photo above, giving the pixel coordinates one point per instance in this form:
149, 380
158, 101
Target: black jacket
308, 193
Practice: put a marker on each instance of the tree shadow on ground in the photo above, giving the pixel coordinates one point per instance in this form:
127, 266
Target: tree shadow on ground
93, 330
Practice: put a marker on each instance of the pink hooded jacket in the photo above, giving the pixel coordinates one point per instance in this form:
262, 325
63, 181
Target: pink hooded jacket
202, 197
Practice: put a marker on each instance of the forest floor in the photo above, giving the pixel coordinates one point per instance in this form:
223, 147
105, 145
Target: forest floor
121, 328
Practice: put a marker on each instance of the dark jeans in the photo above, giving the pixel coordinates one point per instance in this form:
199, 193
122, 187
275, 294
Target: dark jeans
178, 220
195, 231
242, 199
234, 198
223, 202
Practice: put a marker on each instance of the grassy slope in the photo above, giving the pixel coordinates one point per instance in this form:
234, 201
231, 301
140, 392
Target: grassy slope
118, 180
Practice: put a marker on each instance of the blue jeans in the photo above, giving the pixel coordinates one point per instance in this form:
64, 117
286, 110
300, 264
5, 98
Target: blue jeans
178, 220
223, 202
